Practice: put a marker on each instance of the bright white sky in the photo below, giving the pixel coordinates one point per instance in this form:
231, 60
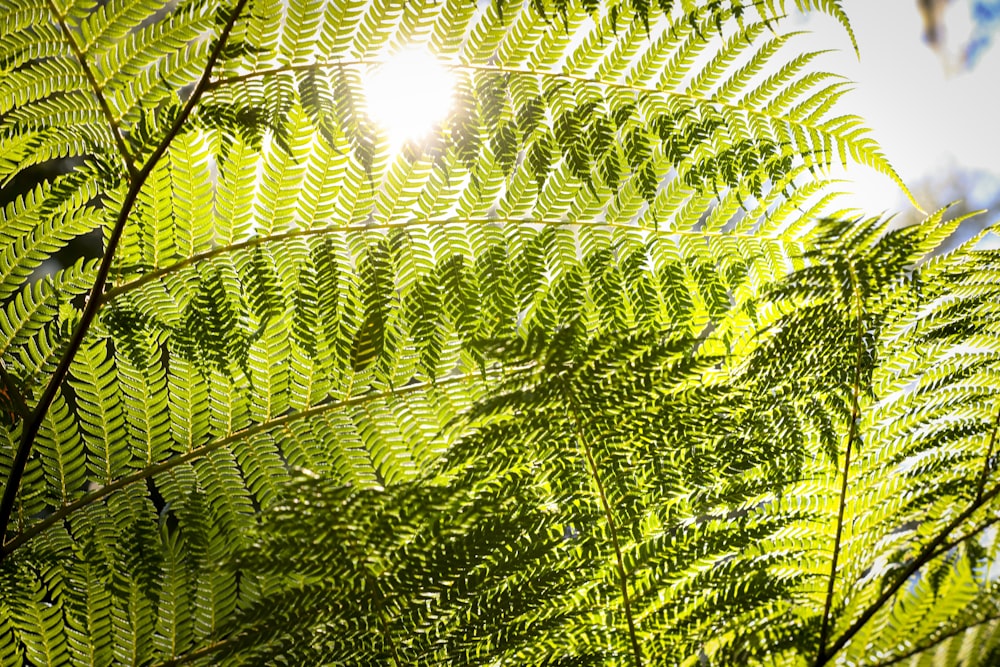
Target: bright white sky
926, 119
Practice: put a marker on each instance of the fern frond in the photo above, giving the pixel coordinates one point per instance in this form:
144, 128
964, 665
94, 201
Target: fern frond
586, 376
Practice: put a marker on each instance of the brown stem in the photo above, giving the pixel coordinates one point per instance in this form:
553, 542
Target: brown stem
939, 545
927, 554
33, 424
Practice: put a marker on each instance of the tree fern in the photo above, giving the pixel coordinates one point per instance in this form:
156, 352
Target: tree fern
598, 372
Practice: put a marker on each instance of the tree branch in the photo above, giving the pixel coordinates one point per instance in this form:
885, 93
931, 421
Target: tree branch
33, 424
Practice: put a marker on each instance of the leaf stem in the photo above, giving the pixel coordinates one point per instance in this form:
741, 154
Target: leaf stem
88, 73
33, 424
612, 530
200, 452
948, 546
494, 69
927, 554
939, 640
198, 653
874, 159
256, 241
931, 550
821, 654
383, 621
985, 472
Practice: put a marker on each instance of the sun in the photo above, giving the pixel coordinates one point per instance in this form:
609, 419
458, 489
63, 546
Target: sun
409, 94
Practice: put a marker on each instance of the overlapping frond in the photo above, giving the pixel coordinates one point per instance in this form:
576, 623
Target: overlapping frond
564, 446
483, 596
905, 425
582, 377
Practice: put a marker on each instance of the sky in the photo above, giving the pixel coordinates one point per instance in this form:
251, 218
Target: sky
928, 114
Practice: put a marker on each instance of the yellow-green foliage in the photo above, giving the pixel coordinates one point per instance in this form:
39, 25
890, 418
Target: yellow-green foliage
598, 374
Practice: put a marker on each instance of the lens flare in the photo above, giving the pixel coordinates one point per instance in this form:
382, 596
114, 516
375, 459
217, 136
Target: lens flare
409, 94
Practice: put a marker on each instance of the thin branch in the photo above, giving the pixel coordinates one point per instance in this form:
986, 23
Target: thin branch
198, 653
287, 69
34, 423
943, 638
13, 393
612, 530
927, 554
852, 432
214, 647
97, 90
948, 546
200, 452
937, 546
222, 644
256, 241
